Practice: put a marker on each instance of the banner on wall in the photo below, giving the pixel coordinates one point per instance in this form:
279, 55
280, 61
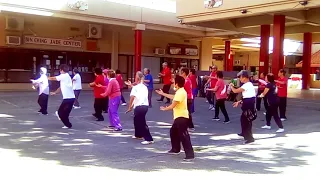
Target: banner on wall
295, 81
51, 41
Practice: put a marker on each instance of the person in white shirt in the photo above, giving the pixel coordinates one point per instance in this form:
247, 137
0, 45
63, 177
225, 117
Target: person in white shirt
248, 104
43, 85
77, 87
67, 95
140, 103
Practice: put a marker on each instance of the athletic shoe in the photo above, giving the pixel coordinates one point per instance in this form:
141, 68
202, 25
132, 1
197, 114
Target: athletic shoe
212, 109
39, 112
57, 114
117, 129
266, 127
94, 115
216, 119
45, 114
240, 134
173, 153
226, 122
283, 119
76, 107
188, 159
147, 142
159, 100
191, 129
123, 104
65, 127
100, 120
280, 130
210, 106
264, 113
134, 137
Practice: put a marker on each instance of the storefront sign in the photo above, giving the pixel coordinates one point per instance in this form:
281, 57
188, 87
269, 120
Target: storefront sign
51, 41
191, 52
212, 3
175, 51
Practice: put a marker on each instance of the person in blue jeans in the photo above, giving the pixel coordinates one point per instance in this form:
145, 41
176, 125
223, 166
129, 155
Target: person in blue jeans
148, 81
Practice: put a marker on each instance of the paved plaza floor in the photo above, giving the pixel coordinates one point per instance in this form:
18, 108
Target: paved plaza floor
36, 147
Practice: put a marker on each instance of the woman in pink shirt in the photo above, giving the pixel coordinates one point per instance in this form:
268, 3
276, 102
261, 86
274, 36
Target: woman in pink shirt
220, 90
114, 94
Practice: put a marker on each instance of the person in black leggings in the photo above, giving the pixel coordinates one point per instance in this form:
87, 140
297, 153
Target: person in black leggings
221, 96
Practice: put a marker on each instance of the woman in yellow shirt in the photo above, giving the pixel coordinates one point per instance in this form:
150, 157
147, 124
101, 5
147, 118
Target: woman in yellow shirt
179, 130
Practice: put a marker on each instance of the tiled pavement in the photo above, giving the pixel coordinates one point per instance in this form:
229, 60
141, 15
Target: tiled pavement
32, 145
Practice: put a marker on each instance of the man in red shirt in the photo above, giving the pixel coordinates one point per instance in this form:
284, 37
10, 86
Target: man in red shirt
213, 81
166, 77
188, 88
282, 85
99, 101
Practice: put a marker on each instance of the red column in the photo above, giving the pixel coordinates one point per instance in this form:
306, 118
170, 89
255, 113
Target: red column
278, 38
264, 49
227, 59
306, 61
137, 50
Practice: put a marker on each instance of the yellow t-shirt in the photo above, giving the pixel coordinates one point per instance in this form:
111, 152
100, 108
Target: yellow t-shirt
181, 109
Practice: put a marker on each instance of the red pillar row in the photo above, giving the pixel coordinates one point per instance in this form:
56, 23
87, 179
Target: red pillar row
264, 49
137, 50
278, 38
228, 65
306, 61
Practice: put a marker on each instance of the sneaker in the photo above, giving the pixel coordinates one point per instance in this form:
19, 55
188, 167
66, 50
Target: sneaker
159, 100
240, 134
134, 137
65, 127
226, 122
57, 114
111, 127
117, 129
264, 113
147, 142
280, 130
188, 159
283, 119
266, 127
45, 114
210, 107
191, 129
123, 104
173, 153
39, 112
216, 119
100, 120
76, 107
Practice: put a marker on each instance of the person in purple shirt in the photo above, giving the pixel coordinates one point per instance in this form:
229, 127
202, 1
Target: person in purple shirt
105, 74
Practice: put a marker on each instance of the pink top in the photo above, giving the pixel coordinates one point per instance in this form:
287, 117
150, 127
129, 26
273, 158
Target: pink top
221, 92
113, 89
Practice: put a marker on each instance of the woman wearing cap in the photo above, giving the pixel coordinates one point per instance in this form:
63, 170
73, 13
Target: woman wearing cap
140, 103
248, 101
270, 92
43, 85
